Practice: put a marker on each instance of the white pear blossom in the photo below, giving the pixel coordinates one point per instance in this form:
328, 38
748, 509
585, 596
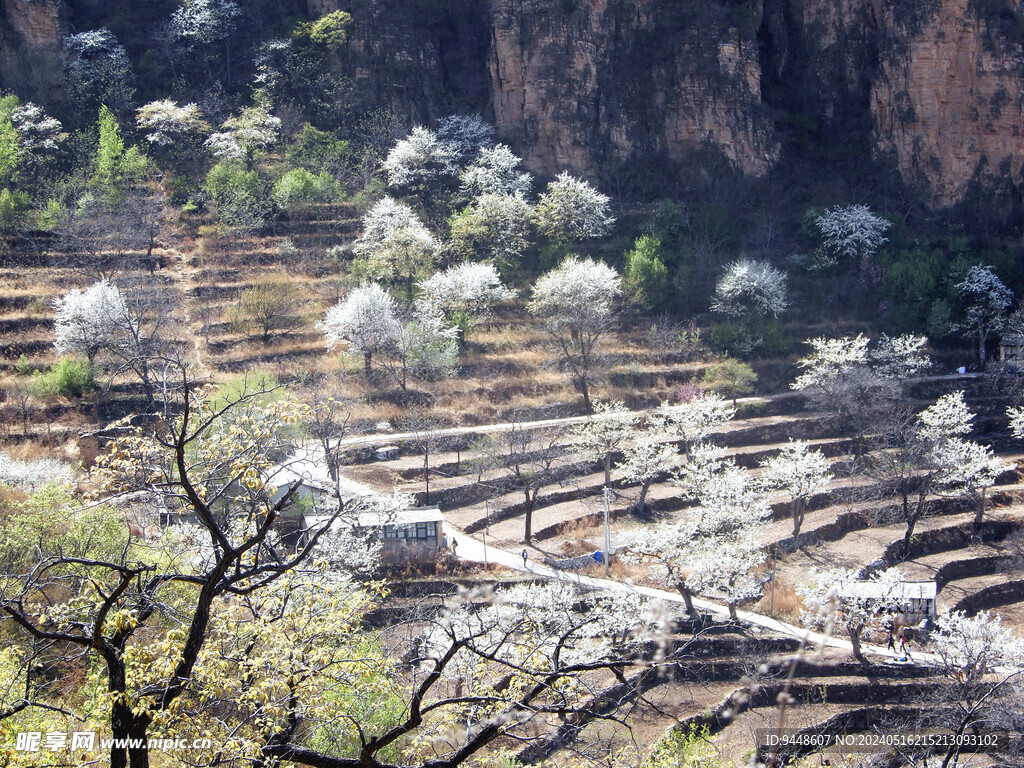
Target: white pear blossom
841, 598
366, 319
395, 243
35, 474
466, 136
469, 288
576, 303
419, 159
1016, 415
37, 131
203, 21
970, 646
749, 287
899, 357
164, 123
644, 461
946, 418
88, 321
496, 172
852, 231
253, 130
799, 472
830, 359
495, 226
693, 420
604, 431
572, 210
986, 304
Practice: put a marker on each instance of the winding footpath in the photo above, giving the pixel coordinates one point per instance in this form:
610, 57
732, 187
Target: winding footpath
474, 550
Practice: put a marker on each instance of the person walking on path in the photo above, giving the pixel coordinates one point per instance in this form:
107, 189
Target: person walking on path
455, 545
525, 556
892, 644
904, 648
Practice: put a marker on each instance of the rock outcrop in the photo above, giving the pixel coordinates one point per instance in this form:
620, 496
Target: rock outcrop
31, 38
929, 88
588, 84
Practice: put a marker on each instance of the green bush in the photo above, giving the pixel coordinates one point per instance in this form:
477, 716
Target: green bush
239, 195
68, 378
645, 278
297, 189
740, 339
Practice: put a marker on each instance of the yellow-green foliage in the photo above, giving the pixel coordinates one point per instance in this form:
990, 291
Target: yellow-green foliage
683, 749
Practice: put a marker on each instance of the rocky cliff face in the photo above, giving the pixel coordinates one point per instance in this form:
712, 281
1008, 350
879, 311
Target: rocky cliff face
578, 84
930, 87
31, 35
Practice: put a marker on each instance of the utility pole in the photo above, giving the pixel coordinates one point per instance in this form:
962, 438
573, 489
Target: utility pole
607, 528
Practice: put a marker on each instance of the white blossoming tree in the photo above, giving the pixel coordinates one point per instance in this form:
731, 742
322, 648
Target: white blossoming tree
572, 210
751, 288
493, 226
419, 161
426, 349
576, 304
986, 304
174, 132
715, 549
850, 233
968, 469
604, 432
798, 472
840, 598
861, 387
366, 319
466, 136
496, 172
395, 245
88, 321
984, 663
463, 294
250, 132
645, 460
692, 420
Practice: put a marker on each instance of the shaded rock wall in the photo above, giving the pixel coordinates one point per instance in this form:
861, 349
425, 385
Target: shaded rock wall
931, 88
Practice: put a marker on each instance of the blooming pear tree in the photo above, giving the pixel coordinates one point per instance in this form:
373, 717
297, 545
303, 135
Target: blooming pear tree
692, 420
851, 233
576, 304
466, 136
366, 319
644, 461
798, 472
840, 598
419, 161
714, 550
572, 210
88, 321
496, 171
968, 469
751, 288
463, 294
604, 432
250, 132
986, 304
426, 349
394, 244
860, 386
493, 226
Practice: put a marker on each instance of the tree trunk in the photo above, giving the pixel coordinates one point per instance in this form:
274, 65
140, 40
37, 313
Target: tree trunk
858, 654
529, 516
687, 597
979, 509
644, 487
798, 515
608, 469
366, 362
426, 475
586, 394
732, 611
